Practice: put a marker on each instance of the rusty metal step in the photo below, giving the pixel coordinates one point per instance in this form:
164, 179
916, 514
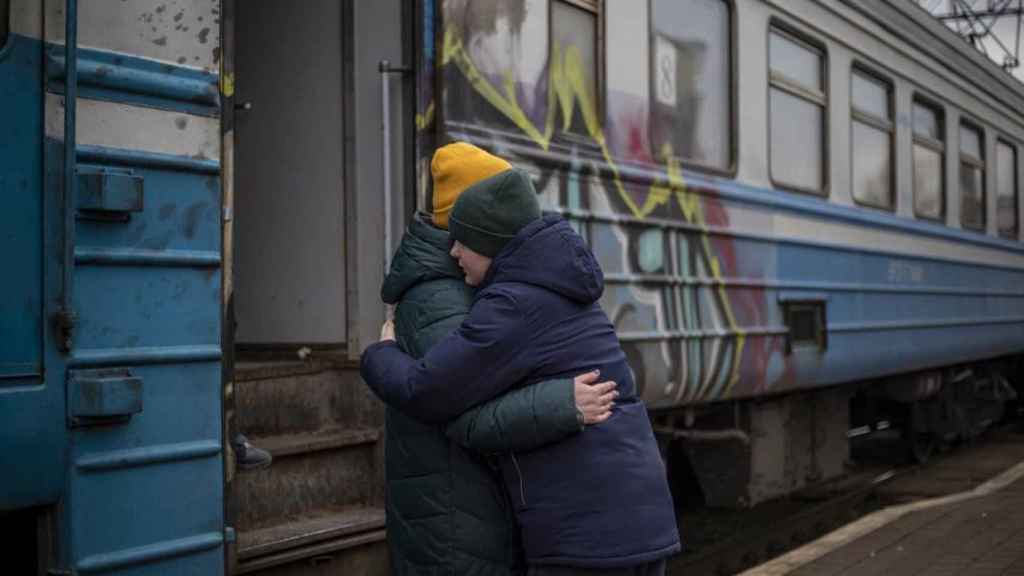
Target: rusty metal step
280, 398
311, 471
310, 442
320, 533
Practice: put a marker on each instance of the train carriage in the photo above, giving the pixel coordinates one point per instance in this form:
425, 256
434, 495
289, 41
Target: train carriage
808, 215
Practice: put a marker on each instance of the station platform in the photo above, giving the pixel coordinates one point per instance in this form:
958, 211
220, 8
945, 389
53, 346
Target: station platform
972, 533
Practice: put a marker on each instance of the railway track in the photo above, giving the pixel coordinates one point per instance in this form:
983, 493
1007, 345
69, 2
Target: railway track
730, 542
771, 533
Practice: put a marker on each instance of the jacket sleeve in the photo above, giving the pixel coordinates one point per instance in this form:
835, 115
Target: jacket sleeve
521, 420
480, 360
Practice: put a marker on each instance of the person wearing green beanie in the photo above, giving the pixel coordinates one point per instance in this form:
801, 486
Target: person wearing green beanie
491, 212
447, 511
598, 501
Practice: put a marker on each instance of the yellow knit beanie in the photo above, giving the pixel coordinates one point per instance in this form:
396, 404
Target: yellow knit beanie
455, 167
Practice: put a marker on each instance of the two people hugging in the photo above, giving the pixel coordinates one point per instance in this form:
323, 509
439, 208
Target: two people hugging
504, 454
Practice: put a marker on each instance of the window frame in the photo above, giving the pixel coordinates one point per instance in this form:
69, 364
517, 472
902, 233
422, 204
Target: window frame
595, 7
888, 125
1000, 139
977, 163
732, 167
7, 16
916, 98
817, 307
795, 89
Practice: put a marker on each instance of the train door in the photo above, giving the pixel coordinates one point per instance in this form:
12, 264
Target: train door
306, 244
32, 452
139, 239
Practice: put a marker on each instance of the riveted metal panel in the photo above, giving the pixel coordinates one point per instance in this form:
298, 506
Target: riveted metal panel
144, 491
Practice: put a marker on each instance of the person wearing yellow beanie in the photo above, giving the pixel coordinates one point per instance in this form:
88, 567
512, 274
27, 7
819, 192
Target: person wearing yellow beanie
455, 167
447, 512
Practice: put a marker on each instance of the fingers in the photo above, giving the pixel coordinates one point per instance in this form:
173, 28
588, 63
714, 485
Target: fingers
608, 398
588, 377
599, 418
604, 387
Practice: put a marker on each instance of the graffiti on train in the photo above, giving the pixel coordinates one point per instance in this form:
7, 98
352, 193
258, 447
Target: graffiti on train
670, 280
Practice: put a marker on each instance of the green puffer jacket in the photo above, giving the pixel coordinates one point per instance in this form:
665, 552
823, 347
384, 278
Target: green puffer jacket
447, 511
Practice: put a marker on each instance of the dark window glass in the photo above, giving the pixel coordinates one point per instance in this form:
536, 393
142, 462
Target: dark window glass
797, 112
574, 43
806, 323
929, 151
5, 21
1006, 189
972, 178
690, 68
871, 141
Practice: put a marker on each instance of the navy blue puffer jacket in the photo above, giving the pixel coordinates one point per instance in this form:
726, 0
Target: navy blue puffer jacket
598, 499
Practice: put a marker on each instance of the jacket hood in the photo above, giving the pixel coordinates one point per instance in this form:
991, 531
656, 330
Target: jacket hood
549, 253
421, 256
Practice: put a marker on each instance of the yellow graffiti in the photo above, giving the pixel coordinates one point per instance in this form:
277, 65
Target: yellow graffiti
693, 211
567, 90
227, 85
426, 119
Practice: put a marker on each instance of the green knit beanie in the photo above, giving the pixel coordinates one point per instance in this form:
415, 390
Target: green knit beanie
491, 212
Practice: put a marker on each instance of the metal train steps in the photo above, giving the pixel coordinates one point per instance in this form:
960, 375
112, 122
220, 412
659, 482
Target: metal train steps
309, 442
326, 532
321, 500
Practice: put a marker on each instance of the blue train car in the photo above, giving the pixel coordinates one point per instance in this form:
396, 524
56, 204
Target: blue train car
808, 214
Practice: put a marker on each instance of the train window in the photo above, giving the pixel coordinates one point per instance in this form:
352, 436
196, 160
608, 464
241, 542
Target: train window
797, 112
1006, 189
972, 177
691, 100
871, 140
929, 151
574, 42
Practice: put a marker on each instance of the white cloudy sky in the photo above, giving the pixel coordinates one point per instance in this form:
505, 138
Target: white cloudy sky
1005, 28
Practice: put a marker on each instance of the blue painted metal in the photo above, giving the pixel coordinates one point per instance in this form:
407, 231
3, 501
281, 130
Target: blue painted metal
141, 495
33, 444
150, 455
109, 190
143, 356
149, 554
125, 78
99, 396
144, 159
143, 257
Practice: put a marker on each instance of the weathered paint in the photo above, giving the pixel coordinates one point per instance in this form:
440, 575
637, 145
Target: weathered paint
696, 264
185, 33
32, 446
101, 123
147, 295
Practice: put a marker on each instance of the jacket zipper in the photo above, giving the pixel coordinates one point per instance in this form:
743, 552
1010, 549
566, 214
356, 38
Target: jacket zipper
522, 487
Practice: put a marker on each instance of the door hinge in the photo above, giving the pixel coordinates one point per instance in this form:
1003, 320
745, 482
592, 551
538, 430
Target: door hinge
65, 321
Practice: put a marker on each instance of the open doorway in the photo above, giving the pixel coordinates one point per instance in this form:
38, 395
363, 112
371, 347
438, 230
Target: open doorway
289, 246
